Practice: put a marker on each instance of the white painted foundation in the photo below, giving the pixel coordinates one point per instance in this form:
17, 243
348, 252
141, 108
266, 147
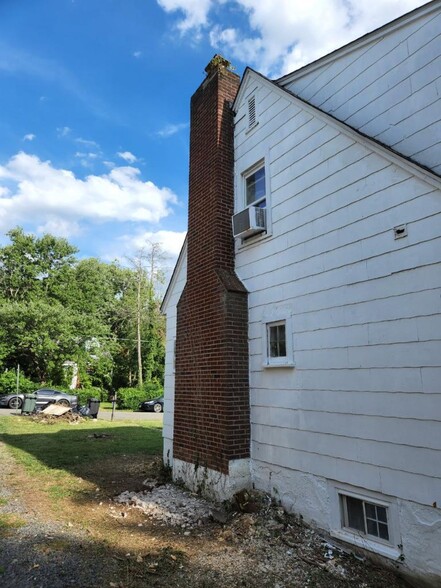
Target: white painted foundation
416, 527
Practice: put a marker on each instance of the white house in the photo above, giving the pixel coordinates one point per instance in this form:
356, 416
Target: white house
337, 225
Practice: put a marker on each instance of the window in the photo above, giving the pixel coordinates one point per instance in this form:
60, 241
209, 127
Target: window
252, 221
365, 517
277, 337
255, 188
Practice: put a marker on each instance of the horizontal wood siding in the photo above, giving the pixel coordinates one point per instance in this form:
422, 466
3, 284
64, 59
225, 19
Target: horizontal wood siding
363, 404
388, 89
179, 280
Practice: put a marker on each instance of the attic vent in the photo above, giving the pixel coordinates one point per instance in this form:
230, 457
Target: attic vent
252, 111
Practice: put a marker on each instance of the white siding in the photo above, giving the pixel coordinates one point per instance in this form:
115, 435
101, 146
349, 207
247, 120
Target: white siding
388, 87
363, 404
173, 295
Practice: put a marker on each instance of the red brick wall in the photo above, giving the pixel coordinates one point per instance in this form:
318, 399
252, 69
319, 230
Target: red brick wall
211, 418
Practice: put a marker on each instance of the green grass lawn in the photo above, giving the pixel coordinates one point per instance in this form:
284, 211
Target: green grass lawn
64, 446
108, 406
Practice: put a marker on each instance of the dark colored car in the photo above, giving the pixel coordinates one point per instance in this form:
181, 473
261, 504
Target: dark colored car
155, 405
44, 396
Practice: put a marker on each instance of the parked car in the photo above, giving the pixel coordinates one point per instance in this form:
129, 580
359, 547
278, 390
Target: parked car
44, 396
155, 405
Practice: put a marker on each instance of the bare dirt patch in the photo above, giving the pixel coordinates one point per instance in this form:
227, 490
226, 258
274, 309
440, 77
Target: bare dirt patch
84, 537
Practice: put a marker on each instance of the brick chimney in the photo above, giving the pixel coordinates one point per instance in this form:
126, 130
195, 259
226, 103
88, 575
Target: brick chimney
211, 417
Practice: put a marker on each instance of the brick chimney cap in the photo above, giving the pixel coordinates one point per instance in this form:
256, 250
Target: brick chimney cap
218, 63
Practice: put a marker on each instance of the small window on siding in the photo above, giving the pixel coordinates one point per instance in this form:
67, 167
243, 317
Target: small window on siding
252, 119
277, 340
365, 518
276, 337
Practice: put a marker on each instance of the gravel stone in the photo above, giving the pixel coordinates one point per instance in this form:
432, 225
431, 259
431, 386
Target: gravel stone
43, 554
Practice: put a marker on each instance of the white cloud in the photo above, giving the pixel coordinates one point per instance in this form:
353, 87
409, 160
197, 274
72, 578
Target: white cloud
171, 129
29, 137
170, 241
63, 131
282, 39
87, 143
35, 189
195, 12
127, 156
59, 227
84, 155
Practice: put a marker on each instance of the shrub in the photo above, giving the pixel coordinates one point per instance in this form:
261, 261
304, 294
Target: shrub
129, 398
8, 383
152, 390
91, 392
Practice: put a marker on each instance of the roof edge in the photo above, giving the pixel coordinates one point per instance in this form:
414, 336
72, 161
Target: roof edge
398, 158
360, 41
174, 276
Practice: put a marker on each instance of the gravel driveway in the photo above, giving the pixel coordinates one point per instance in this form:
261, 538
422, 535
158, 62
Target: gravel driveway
40, 553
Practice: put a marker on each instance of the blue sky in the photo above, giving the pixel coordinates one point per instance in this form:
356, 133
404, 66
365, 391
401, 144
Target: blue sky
94, 103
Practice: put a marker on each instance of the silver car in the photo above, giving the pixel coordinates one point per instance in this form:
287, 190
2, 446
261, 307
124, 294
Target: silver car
44, 396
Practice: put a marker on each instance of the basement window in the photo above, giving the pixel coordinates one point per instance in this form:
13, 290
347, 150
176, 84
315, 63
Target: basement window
365, 517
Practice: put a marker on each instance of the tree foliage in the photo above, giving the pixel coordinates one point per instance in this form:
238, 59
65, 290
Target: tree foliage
55, 308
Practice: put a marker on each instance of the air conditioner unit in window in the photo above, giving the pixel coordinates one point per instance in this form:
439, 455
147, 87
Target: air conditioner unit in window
249, 222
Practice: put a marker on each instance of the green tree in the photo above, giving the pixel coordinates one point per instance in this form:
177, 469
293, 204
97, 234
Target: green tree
142, 325
101, 316
30, 265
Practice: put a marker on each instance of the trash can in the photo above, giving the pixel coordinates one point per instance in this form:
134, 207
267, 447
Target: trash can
29, 403
93, 404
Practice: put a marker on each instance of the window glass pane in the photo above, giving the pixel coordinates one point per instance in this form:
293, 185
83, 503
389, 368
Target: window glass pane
383, 531
381, 514
282, 340
372, 527
370, 510
355, 514
273, 334
255, 186
276, 340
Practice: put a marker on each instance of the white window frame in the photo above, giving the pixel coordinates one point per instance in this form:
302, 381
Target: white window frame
277, 362
241, 198
392, 548
245, 177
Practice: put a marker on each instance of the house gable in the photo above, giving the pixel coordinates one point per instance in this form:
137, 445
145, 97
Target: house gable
386, 85
270, 93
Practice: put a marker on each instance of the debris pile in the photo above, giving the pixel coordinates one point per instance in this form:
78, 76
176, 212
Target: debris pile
256, 539
169, 505
73, 418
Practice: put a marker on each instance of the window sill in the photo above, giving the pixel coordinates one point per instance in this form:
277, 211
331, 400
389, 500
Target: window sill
365, 543
251, 129
257, 238
285, 364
